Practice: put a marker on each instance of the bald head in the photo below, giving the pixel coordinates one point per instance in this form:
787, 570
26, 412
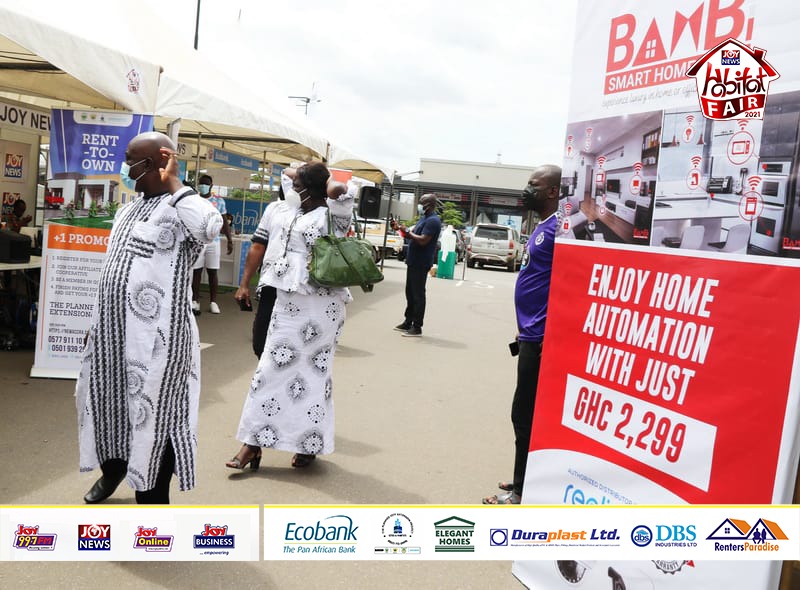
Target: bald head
144, 156
428, 202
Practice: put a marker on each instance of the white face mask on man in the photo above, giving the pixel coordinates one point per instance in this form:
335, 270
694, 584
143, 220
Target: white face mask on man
292, 197
420, 209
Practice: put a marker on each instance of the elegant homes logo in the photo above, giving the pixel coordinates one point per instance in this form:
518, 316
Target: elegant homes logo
454, 535
733, 81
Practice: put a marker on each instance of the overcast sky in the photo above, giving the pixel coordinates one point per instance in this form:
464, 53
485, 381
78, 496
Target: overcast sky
457, 80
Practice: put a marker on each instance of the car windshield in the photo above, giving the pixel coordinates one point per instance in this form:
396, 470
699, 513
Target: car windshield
491, 233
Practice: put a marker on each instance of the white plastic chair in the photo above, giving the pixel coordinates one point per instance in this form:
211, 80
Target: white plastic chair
737, 240
692, 238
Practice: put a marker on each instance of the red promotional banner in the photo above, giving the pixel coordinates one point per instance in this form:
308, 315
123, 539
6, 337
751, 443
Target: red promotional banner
676, 369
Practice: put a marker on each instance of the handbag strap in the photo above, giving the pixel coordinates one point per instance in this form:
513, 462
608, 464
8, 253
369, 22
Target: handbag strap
289, 234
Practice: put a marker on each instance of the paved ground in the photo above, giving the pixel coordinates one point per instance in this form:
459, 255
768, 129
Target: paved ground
419, 421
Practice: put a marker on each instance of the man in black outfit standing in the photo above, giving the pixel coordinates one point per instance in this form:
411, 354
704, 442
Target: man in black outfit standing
421, 250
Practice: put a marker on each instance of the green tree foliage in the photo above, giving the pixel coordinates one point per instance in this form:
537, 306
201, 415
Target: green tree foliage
452, 215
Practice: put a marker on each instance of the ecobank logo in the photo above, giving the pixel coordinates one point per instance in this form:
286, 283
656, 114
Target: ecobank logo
737, 535
454, 535
334, 534
732, 81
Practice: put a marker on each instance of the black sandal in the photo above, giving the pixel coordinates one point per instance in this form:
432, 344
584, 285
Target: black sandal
248, 454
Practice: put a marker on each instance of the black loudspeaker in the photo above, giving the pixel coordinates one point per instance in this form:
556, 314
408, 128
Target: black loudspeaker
369, 202
14, 247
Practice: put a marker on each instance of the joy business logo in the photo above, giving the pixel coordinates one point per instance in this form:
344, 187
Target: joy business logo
214, 537
28, 537
94, 537
762, 536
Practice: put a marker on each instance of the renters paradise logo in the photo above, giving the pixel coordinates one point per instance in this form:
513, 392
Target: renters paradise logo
732, 81
645, 52
737, 535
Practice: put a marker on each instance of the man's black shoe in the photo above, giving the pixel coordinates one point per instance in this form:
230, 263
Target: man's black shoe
413, 331
402, 327
102, 489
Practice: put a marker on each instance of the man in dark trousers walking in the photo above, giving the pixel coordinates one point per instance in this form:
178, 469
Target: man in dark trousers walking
421, 250
530, 302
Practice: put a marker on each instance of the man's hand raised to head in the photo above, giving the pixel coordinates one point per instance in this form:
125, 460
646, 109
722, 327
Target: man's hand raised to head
169, 170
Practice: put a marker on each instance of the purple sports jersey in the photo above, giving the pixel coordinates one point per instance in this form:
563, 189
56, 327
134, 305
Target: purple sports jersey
533, 282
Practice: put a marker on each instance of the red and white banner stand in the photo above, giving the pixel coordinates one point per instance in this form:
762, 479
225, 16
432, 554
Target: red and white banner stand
666, 379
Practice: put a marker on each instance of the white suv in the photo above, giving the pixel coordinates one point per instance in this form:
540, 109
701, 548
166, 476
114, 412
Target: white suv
494, 244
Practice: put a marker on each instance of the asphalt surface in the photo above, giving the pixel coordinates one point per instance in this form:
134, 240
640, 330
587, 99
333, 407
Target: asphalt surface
418, 421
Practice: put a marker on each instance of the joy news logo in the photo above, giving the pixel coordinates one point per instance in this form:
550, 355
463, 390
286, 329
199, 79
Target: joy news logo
397, 530
454, 535
28, 537
733, 81
737, 535
666, 535
334, 534
94, 537
13, 167
214, 537
149, 540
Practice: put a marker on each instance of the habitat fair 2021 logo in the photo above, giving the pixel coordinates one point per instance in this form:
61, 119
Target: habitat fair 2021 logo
733, 81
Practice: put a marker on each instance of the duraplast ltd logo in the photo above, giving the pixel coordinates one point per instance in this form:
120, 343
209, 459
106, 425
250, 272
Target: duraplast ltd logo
149, 540
214, 537
522, 537
665, 535
733, 81
498, 537
334, 534
28, 537
454, 535
94, 537
737, 535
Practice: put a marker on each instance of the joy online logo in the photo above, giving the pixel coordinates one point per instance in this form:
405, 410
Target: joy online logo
742, 537
149, 540
214, 537
94, 537
733, 88
28, 537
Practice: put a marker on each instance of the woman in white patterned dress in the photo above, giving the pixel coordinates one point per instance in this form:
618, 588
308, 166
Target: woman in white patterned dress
290, 403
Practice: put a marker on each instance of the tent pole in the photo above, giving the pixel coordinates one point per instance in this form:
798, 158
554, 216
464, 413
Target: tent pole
197, 161
263, 171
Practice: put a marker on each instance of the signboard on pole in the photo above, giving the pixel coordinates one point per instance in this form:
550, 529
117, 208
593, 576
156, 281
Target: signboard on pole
655, 402
72, 257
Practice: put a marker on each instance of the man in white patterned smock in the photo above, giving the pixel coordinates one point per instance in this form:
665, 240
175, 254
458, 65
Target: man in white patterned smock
209, 257
139, 385
290, 403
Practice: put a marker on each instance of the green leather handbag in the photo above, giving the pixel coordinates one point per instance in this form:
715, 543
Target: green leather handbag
343, 262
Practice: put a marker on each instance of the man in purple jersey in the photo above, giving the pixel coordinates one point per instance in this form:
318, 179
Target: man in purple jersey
530, 301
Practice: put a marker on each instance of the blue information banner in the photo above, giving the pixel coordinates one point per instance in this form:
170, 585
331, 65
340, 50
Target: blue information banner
92, 143
246, 214
234, 160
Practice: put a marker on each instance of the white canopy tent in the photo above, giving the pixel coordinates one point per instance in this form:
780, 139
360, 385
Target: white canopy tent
54, 55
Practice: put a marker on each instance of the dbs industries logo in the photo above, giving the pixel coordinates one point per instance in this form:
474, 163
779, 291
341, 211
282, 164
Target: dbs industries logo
732, 81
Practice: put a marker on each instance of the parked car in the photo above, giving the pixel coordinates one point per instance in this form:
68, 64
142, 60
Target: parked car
53, 201
373, 230
494, 244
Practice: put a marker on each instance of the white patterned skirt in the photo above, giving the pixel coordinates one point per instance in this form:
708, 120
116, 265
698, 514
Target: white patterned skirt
290, 403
